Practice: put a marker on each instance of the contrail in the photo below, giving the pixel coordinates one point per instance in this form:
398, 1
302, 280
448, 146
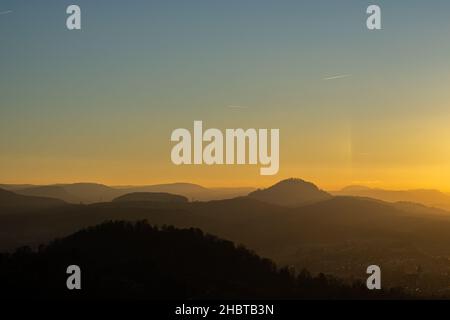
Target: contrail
340, 76
5, 12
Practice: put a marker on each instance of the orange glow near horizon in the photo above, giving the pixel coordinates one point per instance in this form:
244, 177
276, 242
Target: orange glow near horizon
352, 107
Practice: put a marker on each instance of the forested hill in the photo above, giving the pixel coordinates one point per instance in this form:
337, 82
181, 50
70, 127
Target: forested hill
126, 260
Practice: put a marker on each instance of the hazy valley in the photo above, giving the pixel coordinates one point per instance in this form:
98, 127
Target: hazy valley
339, 235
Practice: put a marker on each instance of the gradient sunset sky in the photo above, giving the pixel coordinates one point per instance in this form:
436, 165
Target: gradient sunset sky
353, 106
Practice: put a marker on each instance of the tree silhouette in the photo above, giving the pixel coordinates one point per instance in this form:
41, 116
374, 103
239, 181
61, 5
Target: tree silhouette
139, 261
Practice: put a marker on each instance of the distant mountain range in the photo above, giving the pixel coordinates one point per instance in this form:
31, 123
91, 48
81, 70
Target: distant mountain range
150, 197
88, 193
427, 197
10, 200
289, 192
293, 222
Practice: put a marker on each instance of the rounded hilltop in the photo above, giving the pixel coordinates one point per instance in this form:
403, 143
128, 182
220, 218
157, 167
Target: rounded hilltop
291, 192
151, 197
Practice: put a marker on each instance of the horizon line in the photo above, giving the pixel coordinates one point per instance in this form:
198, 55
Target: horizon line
330, 190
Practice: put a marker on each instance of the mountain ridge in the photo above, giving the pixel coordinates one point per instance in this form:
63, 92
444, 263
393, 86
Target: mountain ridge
291, 192
9, 199
151, 197
86, 192
429, 197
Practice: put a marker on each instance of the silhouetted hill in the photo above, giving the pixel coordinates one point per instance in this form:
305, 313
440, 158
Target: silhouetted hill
232, 192
151, 197
71, 193
193, 192
12, 201
432, 198
291, 192
420, 209
339, 235
138, 261
92, 192
56, 192
189, 190
15, 187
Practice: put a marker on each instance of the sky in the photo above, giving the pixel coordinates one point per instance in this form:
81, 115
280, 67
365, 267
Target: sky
353, 106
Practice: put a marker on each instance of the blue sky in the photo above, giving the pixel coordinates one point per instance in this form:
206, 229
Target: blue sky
139, 69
